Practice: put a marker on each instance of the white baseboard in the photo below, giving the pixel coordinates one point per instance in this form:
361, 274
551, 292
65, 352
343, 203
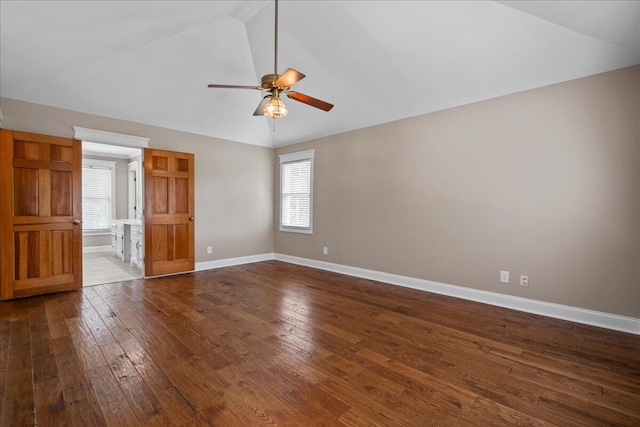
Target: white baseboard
558, 311
228, 262
93, 249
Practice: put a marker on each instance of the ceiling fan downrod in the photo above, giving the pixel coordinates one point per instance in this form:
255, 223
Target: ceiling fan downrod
275, 55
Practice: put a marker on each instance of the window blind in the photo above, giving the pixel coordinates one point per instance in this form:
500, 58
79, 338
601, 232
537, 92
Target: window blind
296, 194
96, 198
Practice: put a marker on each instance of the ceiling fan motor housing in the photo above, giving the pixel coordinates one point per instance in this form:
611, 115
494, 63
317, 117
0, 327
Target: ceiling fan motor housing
269, 81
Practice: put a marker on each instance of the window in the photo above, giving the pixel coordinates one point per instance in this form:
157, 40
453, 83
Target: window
98, 195
296, 192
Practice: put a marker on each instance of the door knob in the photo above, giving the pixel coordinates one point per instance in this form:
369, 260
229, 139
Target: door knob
191, 218
76, 221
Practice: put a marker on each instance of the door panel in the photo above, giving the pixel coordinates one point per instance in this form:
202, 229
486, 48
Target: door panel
182, 195
62, 187
40, 244
169, 209
26, 190
160, 195
42, 257
159, 243
181, 245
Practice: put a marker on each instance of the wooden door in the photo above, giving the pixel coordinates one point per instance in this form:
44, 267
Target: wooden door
40, 214
168, 212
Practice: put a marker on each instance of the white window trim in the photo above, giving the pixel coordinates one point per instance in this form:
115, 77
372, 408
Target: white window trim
292, 158
103, 164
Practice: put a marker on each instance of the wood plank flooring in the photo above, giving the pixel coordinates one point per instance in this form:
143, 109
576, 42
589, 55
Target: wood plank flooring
273, 343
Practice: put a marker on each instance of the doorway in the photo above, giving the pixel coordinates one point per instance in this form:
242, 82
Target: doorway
43, 225
113, 224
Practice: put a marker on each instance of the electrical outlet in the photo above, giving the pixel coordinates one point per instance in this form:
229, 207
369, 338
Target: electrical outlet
504, 276
524, 280
325, 250
209, 250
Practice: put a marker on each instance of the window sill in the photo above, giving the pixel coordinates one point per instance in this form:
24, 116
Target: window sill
296, 230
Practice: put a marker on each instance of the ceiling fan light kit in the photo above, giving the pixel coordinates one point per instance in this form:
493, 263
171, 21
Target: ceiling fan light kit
275, 108
277, 84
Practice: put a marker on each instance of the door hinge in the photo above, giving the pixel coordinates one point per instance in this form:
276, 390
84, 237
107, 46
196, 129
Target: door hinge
144, 211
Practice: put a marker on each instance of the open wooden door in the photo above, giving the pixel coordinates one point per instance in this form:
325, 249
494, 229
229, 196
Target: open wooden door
40, 214
168, 212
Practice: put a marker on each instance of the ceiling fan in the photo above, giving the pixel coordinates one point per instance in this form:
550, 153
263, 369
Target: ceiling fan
277, 84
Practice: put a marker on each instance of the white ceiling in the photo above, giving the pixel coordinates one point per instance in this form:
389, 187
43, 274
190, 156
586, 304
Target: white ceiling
377, 61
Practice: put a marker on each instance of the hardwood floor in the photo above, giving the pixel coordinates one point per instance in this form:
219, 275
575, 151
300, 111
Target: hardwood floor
277, 344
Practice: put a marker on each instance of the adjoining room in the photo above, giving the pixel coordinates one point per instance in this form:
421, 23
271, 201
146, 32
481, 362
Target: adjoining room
112, 221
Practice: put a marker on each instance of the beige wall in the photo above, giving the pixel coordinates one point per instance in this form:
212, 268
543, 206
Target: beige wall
543, 183
233, 181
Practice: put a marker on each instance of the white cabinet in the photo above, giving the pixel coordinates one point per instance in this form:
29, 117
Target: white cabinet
126, 241
120, 239
114, 240
136, 246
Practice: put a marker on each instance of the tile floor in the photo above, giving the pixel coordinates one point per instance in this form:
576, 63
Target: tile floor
102, 267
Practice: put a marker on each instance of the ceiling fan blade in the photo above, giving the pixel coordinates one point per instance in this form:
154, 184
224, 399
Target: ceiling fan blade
264, 102
235, 87
289, 78
306, 99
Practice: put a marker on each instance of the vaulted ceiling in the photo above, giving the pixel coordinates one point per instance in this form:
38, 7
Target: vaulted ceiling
377, 61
